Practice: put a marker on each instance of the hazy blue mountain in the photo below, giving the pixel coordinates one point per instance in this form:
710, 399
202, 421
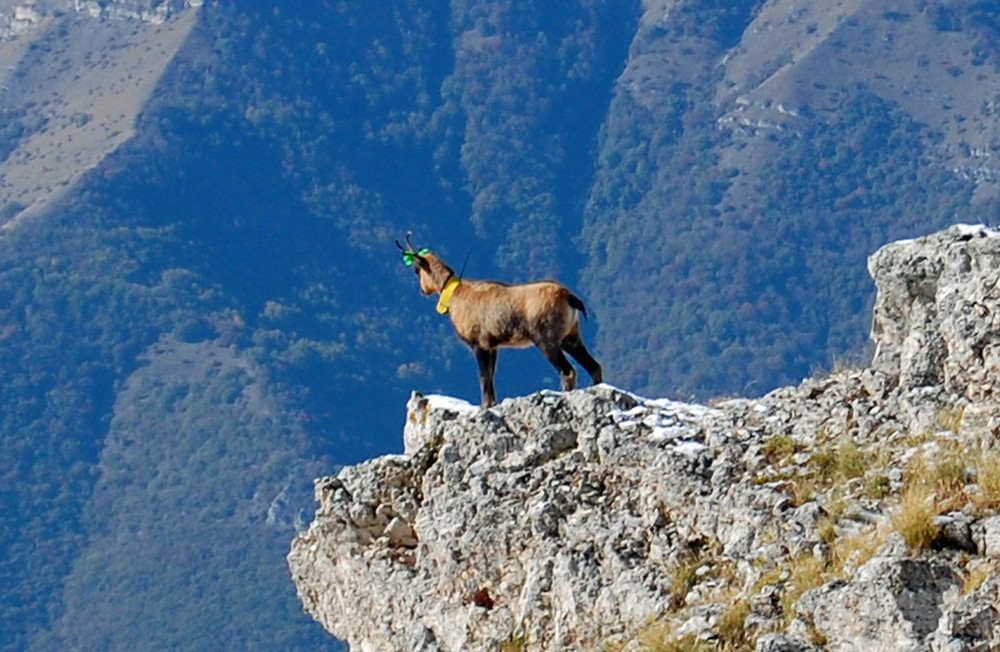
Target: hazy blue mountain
201, 306
754, 154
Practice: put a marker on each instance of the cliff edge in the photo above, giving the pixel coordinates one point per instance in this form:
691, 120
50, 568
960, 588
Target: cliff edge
855, 511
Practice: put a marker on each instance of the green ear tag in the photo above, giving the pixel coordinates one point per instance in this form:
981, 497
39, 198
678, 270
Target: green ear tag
408, 258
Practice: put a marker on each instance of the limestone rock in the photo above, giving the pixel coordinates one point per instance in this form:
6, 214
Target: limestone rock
937, 315
784, 643
891, 604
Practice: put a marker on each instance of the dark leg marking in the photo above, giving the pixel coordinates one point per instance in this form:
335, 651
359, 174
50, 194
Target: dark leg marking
487, 360
574, 346
567, 374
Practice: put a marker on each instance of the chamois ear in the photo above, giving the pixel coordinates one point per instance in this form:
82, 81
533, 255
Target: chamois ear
410, 253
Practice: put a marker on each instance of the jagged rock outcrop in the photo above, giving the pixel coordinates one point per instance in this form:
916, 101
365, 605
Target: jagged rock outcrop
855, 511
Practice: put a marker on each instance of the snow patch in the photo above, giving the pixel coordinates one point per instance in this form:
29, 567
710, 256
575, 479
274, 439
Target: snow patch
974, 230
690, 447
449, 403
662, 434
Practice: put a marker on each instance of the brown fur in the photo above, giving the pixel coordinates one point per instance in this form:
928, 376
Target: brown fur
489, 314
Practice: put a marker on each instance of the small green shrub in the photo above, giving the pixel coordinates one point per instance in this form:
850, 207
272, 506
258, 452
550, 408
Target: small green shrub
851, 461
878, 487
779, 448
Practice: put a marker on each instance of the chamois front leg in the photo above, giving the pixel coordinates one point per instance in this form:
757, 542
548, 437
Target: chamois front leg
487, 359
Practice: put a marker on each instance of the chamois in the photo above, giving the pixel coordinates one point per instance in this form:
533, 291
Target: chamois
487, 315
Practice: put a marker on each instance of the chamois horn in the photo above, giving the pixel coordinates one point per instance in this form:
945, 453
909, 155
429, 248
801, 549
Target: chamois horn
410, 249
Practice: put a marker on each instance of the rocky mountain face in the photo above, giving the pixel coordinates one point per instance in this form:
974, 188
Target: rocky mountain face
74, 77
855, 511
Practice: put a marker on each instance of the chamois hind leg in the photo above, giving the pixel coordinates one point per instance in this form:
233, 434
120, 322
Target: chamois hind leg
487, 360
567, 374
574, 346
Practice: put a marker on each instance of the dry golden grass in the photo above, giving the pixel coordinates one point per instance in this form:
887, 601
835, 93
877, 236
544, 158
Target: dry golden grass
802, 489
660, 638
731, 628
827, 468
914, 517
988, 479
949, 475
951, 418
958, 477
850, 553
683, 576
730, 634
975, 577
806, 572
937, 479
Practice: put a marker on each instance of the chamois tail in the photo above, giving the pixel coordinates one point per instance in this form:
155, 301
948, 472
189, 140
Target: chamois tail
575, 302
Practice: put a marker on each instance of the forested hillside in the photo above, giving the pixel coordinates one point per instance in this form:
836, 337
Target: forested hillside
754, 155
201, 307
215, 313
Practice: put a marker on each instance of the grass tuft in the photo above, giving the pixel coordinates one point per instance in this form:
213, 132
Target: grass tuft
979, 574
683, 576
827, 530
805, 573
851, 461
731, 628
951, 418
660, 639
914, 519
779, 448
988, 479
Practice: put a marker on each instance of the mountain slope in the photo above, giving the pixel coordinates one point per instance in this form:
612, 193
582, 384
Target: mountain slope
71, 98
754, 155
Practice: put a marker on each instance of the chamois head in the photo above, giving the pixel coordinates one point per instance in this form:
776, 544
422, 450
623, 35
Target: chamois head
431, 270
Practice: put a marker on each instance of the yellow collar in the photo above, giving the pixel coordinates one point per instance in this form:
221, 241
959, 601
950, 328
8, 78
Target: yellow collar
449, 289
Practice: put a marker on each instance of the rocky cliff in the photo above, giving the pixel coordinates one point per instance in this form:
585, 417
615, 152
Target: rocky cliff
855, 511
